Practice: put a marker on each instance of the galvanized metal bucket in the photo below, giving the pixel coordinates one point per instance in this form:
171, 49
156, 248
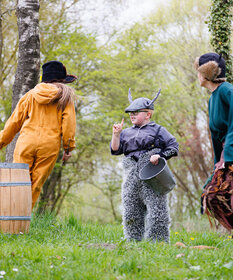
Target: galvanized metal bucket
159, 177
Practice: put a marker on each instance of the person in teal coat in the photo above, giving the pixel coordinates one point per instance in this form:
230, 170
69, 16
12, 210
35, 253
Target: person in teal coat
211, 69
211, 74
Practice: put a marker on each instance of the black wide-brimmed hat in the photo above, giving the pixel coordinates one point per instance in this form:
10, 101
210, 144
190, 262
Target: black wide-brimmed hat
55, 71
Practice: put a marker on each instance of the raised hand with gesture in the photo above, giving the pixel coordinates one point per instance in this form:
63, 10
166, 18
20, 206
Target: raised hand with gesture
117, 128
116, 131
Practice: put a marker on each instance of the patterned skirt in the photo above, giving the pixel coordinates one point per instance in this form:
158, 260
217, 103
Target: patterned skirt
217, 197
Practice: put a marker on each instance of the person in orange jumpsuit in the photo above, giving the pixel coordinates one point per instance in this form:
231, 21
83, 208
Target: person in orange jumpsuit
43, 116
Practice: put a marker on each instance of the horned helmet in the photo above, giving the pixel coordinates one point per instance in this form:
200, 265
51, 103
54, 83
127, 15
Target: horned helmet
140, 103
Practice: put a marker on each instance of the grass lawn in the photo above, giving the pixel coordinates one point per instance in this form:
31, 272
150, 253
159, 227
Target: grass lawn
69, 249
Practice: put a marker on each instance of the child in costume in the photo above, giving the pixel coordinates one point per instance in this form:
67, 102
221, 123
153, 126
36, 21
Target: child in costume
43, 116
145, 213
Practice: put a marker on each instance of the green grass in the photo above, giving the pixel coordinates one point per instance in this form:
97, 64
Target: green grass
69, 249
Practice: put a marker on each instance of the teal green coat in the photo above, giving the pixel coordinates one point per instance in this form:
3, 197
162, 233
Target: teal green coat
221, 121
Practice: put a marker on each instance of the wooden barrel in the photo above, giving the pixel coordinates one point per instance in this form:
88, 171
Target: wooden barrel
15, 198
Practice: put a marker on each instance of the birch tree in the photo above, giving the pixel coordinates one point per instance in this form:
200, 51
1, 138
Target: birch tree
28, 68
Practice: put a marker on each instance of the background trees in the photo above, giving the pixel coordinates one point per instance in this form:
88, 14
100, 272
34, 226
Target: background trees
8, 50
157, 52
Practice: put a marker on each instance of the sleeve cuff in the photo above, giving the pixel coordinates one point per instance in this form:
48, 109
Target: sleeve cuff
168, 154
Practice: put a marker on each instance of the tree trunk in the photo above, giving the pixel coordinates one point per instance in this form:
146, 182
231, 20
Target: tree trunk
28, 68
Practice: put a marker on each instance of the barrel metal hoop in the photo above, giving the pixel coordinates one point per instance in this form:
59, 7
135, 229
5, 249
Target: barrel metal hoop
14, 165
15, 184
18, 218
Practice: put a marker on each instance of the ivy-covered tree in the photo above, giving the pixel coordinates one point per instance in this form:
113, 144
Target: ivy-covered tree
220, 28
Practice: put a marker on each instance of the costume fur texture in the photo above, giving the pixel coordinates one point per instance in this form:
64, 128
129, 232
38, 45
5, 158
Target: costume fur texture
209, 70
145, 214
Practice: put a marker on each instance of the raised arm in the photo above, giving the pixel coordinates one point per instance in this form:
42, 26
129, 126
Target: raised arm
116, 132
15, 121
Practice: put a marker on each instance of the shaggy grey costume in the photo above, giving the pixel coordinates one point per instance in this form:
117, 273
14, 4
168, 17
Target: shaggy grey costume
145, 214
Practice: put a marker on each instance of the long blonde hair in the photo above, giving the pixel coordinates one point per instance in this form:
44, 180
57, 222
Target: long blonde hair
64, 96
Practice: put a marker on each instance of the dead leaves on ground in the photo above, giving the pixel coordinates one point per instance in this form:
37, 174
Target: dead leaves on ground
200, 247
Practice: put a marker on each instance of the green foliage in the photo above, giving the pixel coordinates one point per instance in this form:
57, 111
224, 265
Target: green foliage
8, 61
220, 27
158, 52
69, 249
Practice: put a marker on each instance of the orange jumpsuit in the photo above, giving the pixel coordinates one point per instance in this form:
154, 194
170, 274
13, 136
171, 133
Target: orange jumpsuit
41, 128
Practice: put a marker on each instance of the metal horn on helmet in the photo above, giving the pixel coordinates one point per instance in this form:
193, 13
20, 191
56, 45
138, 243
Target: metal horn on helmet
130, 96
157, 95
